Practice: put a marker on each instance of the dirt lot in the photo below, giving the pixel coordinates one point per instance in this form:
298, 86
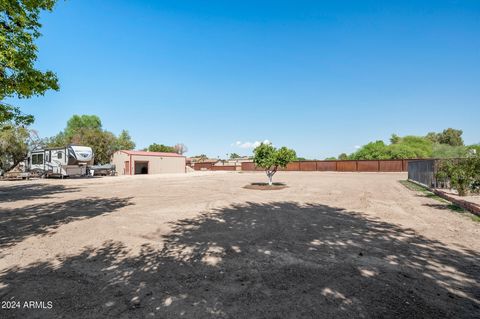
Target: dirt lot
334, 245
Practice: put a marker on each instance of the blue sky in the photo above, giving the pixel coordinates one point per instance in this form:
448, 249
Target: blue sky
319, 76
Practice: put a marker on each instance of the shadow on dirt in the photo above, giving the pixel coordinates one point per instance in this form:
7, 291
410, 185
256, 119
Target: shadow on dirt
445, 206
44, 218
12, 193
276, 260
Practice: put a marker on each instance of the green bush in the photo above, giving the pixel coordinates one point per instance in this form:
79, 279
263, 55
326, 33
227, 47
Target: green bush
402, 148
448, 151
462, 174
447, 144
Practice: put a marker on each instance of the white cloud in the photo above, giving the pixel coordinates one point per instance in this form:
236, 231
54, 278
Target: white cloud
357, 146
241, 144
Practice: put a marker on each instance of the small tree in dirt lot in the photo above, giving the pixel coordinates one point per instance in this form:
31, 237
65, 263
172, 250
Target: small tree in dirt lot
269, 158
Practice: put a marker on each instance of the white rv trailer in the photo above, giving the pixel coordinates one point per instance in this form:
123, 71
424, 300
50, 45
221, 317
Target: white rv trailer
60, 161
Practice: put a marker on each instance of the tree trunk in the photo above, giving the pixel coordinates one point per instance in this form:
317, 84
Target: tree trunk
15, 163
270, 173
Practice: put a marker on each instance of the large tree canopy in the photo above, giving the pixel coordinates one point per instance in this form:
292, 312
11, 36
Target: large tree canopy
161, 148
124, 141
446, 144
449, 136
12, 114
19, 28
79, 124
87, 130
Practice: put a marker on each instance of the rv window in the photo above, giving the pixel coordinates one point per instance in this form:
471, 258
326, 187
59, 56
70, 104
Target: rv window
37, 159
59, 155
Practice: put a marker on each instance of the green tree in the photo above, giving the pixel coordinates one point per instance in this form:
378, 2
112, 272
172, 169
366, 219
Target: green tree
411, 147
234, 156
19, 28
451, 137
87, 130
161, 148
14, 146
403, 148
403, 151
270, 158
102, 143
432, 137
463, 174
80, 124
332, 158
448, 144
448, 151
124, 141
343, 157
58, 140
372, 151
394, 139
77, 127
13, 115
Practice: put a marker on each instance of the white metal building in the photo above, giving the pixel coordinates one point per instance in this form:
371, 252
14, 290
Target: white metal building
141, 162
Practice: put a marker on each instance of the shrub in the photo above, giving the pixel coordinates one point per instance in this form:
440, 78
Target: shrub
462, 174
448, 151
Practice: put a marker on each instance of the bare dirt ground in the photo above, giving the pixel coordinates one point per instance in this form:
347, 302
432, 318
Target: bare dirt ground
332, 245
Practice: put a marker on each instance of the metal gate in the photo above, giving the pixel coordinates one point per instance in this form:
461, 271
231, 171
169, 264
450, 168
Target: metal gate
423, 172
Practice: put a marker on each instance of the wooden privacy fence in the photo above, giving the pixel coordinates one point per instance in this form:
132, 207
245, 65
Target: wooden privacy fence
211, 167
340, 166
225, 168
202, 166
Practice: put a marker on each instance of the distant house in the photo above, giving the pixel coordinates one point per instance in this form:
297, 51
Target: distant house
141, 162
234, 161
200, 164
194, 160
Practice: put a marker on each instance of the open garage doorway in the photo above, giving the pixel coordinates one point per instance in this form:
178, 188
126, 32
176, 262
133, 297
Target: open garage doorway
141, 168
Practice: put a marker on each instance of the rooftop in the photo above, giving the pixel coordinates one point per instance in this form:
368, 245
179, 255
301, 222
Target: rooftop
145, 153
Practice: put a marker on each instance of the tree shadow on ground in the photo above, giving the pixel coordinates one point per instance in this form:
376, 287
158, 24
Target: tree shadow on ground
39, 219
276, 260
12, 193
445, 206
